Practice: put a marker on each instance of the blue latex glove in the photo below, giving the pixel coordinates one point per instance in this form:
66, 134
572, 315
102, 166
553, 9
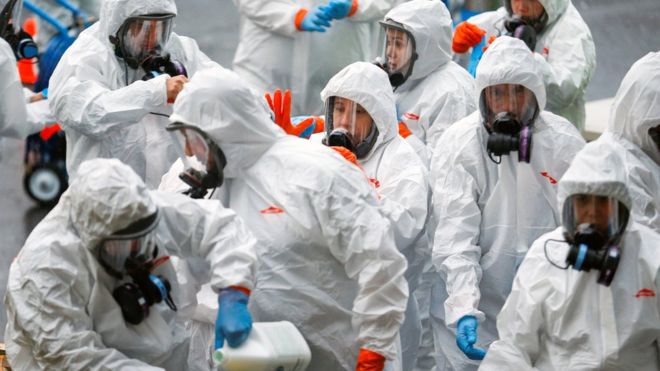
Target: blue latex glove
295, 120
466, 337
315, 21
337, 9
234, 321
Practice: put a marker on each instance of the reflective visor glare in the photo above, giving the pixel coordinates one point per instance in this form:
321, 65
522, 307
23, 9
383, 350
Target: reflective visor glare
143, 36
16, 15
397, 50
115, 252
349, 116
600, 211
512, 98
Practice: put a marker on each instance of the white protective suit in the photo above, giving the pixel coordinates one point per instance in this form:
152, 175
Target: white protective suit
104, 108
565, 55
487, 214
400, 178
273, 54
327, 258
61, 314
18, 117
439, 92
563, 319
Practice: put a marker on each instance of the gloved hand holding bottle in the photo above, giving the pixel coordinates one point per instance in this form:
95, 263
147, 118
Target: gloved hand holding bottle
337, 9
280, 104
369, 361
466, 36
234, 321
466, 337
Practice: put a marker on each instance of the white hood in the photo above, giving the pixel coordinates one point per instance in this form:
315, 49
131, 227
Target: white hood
106, 196
636, 106
218, 102
369, 86
114, 12
430, 24
509, 61
589, 176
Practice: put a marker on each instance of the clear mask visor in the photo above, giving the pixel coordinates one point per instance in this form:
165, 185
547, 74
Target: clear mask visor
344, 115
397, 51
603, 215
14, 13
514, 99
116, 250
146, 35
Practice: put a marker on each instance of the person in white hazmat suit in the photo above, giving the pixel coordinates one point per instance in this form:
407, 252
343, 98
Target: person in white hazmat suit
21, 111
561, 41
488, 213
327, 258
601, 312
301, 44
92, 289
98, 94
361, 116
633, 138
431, 91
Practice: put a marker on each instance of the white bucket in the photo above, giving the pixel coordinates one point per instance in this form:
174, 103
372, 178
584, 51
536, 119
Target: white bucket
271, 346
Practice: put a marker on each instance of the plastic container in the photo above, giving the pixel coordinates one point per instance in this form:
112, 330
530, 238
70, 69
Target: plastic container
271, 346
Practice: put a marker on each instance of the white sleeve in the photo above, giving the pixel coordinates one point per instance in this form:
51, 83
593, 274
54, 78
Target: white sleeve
521, 320
371, 10
359, 237
570, 61
49, 309
273, 15
13, 112
456, 253
204, 228
81, 99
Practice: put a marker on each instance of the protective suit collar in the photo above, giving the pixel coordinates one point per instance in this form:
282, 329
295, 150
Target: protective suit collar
589, 177
369, 86
218, 102
636, 107
509, 61
114, 12
105, 199
554, 8
429, 22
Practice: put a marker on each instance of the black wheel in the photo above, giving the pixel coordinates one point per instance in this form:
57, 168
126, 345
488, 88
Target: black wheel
44, 184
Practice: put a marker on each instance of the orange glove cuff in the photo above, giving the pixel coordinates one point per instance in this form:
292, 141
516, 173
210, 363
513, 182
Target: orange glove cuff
370, 361
354, 8
297, 20
320, 124
403, 130
241, 289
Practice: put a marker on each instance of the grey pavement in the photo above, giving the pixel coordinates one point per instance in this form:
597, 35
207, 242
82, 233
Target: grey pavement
623, 32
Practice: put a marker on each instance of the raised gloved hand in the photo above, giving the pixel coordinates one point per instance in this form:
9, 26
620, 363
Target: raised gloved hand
466, 337
313, 21
337, 9
281, 107
369, 361
234, 321
403, 130
466, 36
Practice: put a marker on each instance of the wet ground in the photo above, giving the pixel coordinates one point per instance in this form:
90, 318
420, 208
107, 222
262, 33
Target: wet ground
623, 32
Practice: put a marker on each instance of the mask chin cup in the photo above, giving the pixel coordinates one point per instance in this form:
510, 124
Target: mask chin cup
339, 138
589, 250
397, 79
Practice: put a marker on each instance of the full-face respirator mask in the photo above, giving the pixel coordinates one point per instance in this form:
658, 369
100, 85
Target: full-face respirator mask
133, 252
348, 125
